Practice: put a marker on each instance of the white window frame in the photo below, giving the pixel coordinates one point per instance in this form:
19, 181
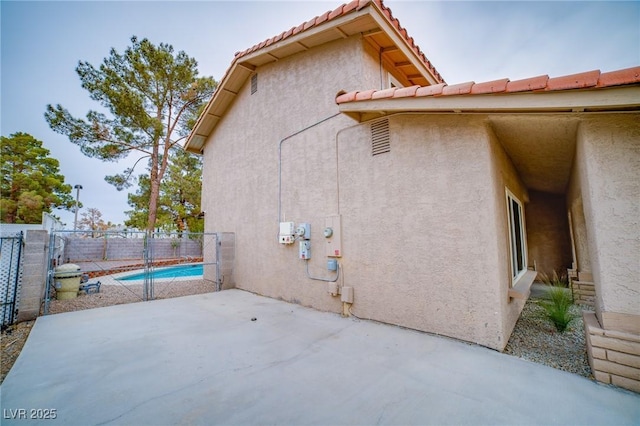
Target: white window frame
514, 232
393, 82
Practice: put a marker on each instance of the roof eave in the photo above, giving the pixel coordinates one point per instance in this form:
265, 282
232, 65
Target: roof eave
614, 99
407, 50
244, 64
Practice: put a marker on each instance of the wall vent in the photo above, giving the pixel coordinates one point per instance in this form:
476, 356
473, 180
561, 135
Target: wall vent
380, 137
254, 83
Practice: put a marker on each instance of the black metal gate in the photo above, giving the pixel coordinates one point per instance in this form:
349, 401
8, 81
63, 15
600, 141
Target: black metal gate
10, 276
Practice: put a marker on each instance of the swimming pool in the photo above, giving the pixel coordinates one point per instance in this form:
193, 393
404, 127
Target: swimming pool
168, 272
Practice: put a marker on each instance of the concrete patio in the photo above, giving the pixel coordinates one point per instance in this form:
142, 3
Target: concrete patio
238, 358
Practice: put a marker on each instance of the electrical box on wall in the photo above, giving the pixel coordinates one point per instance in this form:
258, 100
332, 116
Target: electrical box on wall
305, 250
332, 265
287, 233
303, 231
333, 236
347, 295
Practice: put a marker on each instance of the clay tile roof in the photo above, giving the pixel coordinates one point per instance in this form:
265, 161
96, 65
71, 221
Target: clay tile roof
298, 29
386, 93
528, 84
363, 96
541, 83
349, 7
495, 86
310, 23
574, 81
616, 78
288, 33
458, 89
322, 18
346, 97
405, 92
206, 122
340, 11
434, 90
336, 12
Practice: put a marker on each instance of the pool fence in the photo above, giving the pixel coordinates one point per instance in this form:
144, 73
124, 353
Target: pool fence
106, 257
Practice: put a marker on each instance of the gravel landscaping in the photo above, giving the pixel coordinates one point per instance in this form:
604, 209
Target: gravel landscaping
120, 294
534, 338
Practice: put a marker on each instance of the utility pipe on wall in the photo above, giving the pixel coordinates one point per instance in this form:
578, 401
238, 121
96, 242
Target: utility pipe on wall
280, 218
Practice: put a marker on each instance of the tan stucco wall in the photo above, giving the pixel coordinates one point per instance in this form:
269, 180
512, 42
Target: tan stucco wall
607, 176
578, 226
419, 223
575, 206
505, 176
419, 227
548, 233
240, 175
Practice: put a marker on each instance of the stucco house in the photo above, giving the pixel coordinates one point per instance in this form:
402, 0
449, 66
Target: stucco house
357, 181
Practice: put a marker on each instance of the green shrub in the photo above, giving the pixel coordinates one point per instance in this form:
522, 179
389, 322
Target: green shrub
556, 280
558, 307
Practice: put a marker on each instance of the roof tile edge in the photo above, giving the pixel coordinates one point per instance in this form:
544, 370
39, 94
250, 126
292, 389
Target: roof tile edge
344, 9
619, 77
542, 83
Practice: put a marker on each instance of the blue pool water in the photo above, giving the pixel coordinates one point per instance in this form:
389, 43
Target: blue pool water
168, 272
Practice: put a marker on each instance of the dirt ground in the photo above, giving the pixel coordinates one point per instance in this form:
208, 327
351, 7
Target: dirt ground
13, 339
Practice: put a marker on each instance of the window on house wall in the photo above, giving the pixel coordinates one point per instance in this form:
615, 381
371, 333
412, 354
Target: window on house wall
254, 83
393, 82
517, 237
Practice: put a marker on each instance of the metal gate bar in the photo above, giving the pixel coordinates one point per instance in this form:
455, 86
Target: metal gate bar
152, 250
10, 275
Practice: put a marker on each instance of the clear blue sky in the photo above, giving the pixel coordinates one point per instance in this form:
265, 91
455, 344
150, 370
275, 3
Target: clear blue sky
42, 42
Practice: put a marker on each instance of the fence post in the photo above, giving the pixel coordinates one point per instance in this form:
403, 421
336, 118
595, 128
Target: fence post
218, 257
145, 263
148, 293
50, 270
34, 274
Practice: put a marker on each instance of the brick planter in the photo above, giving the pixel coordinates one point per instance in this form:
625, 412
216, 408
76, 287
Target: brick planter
614, 356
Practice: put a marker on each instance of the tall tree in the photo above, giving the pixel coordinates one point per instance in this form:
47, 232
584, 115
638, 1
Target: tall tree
179, 200
31, 181
183, 190
153, 96
91, 220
